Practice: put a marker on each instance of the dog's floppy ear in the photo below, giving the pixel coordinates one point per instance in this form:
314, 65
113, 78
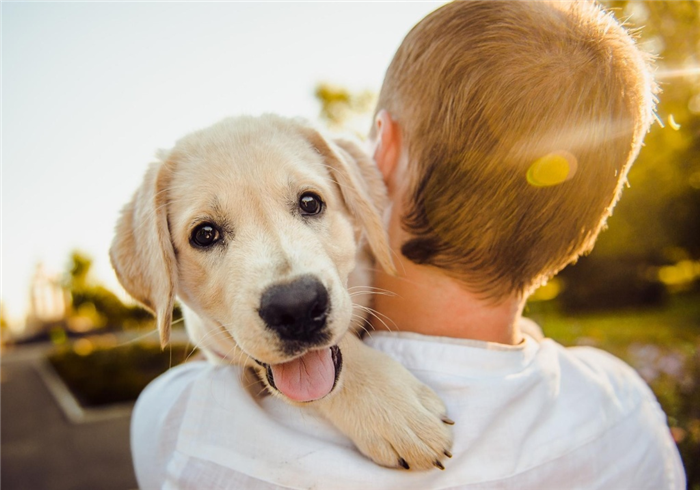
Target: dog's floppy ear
142, 253
362, 188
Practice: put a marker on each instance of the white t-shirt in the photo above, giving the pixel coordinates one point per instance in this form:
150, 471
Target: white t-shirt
535, 416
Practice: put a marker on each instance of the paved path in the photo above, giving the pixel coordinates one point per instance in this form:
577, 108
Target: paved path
41, 450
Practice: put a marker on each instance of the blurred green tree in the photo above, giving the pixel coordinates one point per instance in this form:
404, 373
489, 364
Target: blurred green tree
659, 213
3, 321
342, 109
94, 304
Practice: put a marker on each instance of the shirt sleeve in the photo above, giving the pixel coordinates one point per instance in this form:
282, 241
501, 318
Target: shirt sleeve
156, 421
643, 450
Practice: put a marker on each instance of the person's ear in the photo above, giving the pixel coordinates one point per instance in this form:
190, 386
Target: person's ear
387, 148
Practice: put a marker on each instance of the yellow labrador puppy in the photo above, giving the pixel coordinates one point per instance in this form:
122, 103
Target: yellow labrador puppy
257, 225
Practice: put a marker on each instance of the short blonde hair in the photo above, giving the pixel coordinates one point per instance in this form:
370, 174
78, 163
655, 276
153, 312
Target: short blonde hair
487, 95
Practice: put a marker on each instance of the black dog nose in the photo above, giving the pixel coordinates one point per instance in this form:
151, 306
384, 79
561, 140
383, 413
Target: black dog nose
297, 310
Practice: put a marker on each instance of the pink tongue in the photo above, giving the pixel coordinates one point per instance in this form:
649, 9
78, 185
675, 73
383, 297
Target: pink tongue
306, 378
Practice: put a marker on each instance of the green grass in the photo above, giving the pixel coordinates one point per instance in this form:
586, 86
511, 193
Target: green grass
678, 323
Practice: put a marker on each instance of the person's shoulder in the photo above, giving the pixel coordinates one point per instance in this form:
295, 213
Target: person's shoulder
172, 384
155, 419
597, 367
181, 374
605, 391
590, 389
620, 414
161, 405
166, 405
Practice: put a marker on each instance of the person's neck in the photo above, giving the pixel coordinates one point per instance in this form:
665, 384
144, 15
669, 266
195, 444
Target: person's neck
424, 300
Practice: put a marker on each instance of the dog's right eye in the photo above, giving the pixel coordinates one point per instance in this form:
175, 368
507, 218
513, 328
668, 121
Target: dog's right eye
310, 204
205, 235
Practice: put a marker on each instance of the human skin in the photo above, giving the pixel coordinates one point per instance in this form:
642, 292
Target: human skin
424, 299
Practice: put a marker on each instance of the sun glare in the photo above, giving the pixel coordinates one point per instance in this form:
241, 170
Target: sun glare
677, 73
552, 169
672, 122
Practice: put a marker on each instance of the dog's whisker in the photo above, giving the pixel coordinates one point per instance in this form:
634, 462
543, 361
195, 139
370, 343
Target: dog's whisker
359, 316
195, 346
137, 339
253, 383
376, 314
264, 389
233, 348
383, 315
245, 375
370, 288
400, 278
190, 353
209, 334
362, 323
241, 353
257, 380
369, 293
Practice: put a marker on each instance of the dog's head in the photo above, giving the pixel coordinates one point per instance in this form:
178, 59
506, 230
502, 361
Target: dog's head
254, 223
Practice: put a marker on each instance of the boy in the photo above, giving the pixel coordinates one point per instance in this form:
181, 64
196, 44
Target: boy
504, 132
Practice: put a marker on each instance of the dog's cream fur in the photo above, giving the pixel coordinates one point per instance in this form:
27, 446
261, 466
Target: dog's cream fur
246, 175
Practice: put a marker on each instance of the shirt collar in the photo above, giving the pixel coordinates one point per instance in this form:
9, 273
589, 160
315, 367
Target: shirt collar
461, 357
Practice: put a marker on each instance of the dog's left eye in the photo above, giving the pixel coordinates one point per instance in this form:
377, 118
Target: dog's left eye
205, 235
310, 204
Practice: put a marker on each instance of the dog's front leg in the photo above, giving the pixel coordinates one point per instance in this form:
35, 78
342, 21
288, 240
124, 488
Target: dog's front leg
392, 418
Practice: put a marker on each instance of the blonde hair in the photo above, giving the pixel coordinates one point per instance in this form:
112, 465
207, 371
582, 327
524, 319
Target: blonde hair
521, 120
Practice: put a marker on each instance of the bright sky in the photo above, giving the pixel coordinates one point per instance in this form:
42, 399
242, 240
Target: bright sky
91, 90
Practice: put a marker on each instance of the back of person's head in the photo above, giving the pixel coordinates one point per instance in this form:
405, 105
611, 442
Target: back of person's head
520, 120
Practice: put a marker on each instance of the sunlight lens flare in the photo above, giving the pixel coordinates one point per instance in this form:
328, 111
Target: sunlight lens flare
552, 169
677, 73
672, 122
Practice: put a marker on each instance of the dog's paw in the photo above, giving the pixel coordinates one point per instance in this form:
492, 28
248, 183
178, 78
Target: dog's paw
392, 418
404, 424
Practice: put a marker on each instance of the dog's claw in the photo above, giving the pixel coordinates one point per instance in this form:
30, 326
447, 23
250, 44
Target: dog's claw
415, 435
448, 420
438, 464
447, 453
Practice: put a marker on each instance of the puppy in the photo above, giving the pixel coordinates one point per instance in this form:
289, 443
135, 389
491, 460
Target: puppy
257, 225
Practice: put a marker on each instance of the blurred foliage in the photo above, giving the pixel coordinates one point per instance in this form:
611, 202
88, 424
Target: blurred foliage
103, 374
342, 109
608, 282
95, 305
3, 320
658, 214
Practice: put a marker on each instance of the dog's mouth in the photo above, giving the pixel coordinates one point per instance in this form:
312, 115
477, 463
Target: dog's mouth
306, 378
